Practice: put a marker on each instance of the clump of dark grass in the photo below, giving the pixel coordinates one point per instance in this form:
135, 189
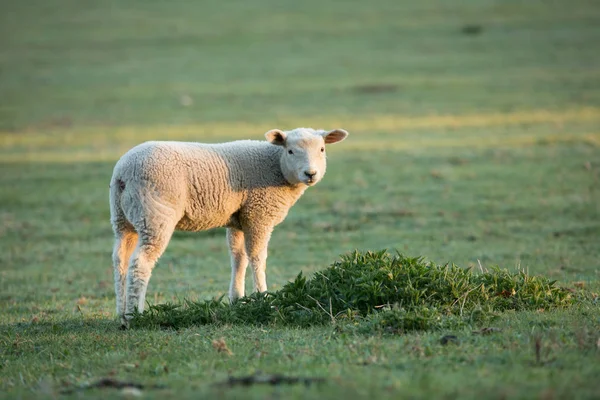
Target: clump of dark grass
376, 291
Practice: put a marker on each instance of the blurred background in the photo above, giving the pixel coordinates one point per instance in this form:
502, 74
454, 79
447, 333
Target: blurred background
189, 68
475, 128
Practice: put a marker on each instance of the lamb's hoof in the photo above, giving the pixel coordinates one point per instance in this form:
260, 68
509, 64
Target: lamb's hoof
124, 324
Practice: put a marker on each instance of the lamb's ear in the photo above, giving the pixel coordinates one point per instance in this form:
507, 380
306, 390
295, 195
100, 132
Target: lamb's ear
276, 137
334, 136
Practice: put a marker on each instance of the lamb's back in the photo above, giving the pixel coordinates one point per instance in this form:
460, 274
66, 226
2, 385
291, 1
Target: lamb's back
206, 183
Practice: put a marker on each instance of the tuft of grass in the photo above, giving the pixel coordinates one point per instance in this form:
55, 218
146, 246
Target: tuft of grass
377, 291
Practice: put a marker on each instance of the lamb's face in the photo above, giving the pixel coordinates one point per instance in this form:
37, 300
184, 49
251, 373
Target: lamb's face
303, 159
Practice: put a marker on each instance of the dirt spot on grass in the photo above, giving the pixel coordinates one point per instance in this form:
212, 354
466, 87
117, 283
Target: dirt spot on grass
449, 339
82, 301
486, 331
375, 88
436, 174
221, 347
472, 29
268, 379
111, 383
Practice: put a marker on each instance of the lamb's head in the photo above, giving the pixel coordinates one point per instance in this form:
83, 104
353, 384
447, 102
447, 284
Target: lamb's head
303, 157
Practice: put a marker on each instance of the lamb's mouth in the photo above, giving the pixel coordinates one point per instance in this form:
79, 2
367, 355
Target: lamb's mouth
310, 181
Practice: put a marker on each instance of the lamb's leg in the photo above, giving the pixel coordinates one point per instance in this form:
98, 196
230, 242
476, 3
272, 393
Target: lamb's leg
150, 246
257, 241
239, 262
125, 242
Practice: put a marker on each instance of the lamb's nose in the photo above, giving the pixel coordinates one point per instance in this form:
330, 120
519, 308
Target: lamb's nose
311, 173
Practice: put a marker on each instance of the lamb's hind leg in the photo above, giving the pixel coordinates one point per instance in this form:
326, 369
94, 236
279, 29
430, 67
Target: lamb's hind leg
125, 242
151, 245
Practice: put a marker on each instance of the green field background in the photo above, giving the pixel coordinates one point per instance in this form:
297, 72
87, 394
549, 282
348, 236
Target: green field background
474, 139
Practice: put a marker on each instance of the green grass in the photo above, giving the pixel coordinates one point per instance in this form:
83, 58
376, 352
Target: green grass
468, 149
376, 291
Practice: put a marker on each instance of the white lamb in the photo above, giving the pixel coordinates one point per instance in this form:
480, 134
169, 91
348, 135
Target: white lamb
247, 186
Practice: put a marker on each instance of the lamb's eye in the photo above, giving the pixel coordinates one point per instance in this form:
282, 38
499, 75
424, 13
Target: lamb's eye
290, 152
322, 149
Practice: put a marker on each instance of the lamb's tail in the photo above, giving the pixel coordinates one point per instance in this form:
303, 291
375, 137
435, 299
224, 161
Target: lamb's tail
117, 215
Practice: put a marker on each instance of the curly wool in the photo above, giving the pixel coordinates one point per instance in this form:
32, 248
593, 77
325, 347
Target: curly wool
204, 185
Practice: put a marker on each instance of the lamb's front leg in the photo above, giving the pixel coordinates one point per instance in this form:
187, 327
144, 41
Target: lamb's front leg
257, 241
239, 262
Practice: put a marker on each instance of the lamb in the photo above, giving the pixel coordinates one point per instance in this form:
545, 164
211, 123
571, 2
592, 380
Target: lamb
247, 186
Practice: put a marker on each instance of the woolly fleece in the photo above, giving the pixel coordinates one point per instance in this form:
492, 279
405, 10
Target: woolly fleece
247, 186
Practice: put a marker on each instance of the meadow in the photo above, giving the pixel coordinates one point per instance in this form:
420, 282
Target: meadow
474, 139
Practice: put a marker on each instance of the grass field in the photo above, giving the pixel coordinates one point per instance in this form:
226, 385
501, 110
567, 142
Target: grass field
475, 138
